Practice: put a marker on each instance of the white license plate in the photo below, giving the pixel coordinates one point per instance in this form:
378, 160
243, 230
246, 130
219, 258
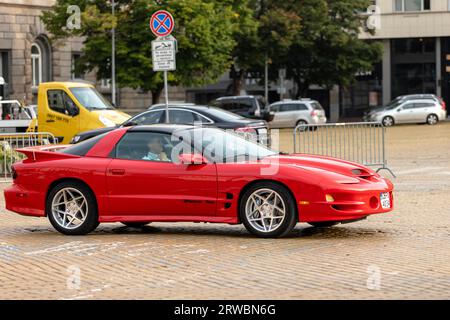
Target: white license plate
262, 131
385, 200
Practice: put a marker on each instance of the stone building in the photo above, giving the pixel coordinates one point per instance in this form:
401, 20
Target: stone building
28, 57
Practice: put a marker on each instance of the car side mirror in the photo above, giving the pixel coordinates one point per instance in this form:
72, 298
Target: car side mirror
192, 159
399, 109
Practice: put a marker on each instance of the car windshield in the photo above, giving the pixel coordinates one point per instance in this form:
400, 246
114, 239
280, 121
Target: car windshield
222, 146
393, 105
91, 99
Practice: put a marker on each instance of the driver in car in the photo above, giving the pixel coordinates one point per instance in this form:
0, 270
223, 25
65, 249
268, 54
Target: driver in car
155, 150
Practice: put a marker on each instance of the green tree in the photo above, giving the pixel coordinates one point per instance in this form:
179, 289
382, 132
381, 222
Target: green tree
264, 29
326, 50
204, 31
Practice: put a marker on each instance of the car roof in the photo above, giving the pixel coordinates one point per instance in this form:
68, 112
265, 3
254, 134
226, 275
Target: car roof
294, 101
420, 100
236, 97
165, 128
193, 107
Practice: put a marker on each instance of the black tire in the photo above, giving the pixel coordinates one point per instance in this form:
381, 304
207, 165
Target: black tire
135, 224
432, 119
290, 217
388, 121
300, 122
90, 222
323, 224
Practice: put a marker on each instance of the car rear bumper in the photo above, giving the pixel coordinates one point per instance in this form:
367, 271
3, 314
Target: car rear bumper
23, 201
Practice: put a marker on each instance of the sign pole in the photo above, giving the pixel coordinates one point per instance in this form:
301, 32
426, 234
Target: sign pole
166, 96
163, 49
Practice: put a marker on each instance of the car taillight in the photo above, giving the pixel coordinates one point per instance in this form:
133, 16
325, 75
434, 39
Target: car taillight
443, 105
246, 130
314, 113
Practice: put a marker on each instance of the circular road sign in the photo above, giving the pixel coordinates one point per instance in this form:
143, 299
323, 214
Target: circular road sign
161, 23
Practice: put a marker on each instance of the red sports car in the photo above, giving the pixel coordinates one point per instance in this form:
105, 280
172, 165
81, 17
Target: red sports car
169, 173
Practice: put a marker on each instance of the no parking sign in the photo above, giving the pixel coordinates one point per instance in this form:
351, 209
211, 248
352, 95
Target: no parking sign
161, 23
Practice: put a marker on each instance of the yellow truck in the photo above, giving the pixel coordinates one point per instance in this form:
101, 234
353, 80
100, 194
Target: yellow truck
67, 108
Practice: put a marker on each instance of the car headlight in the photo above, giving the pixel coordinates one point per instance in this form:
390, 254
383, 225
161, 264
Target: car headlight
107, 122
75, 139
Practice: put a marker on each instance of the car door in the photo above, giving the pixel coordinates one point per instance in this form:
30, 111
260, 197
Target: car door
422, 110
62, 116
405, 114
139, 184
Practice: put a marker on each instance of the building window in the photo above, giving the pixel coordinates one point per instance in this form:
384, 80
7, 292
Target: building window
413, 66
411, 5
36, 64
41, 61
5, 73
76, 75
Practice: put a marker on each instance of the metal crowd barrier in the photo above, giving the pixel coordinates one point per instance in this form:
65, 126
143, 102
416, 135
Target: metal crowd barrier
9, 142
361, 142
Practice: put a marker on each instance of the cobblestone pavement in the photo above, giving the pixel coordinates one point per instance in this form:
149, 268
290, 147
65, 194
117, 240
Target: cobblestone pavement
408, 250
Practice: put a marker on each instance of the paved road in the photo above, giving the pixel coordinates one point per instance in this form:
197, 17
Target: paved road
402, 255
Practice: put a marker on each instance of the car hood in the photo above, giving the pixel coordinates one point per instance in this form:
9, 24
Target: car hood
116, 116
338, 170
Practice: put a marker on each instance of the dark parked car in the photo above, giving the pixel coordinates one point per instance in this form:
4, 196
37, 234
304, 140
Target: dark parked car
252, 107
190, 114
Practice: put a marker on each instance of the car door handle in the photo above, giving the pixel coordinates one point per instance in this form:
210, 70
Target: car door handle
117, 172
50, 120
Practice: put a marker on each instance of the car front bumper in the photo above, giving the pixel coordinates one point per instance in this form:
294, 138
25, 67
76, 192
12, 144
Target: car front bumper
350, 203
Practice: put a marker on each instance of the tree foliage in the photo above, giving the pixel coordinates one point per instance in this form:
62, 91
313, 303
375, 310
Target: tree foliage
201, 58
315, 40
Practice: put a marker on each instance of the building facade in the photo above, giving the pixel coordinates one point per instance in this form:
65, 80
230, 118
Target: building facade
416, 40
28, 57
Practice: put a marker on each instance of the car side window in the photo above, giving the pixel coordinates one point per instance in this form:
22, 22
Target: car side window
147, 146
423, 105
182, 117
275, 108
293, 107
244, 105
225, 104
147, 118
60, 101
408, 106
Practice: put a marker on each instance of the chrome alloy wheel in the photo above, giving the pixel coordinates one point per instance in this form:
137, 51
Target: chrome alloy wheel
432, 119
69, 208
265, 210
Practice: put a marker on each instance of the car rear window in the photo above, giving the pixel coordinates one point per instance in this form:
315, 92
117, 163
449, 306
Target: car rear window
82, 148
316, 106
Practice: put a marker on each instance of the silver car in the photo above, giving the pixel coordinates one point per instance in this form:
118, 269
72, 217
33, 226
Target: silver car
289, 114
410, 111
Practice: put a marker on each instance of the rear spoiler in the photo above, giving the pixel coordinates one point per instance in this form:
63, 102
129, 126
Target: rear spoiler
43, 153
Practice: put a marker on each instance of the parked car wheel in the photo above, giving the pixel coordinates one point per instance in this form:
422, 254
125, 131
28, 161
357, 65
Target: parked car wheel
72, 209
388, 121
268, 210
323, 224
135, 224
302, 122
432, 119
